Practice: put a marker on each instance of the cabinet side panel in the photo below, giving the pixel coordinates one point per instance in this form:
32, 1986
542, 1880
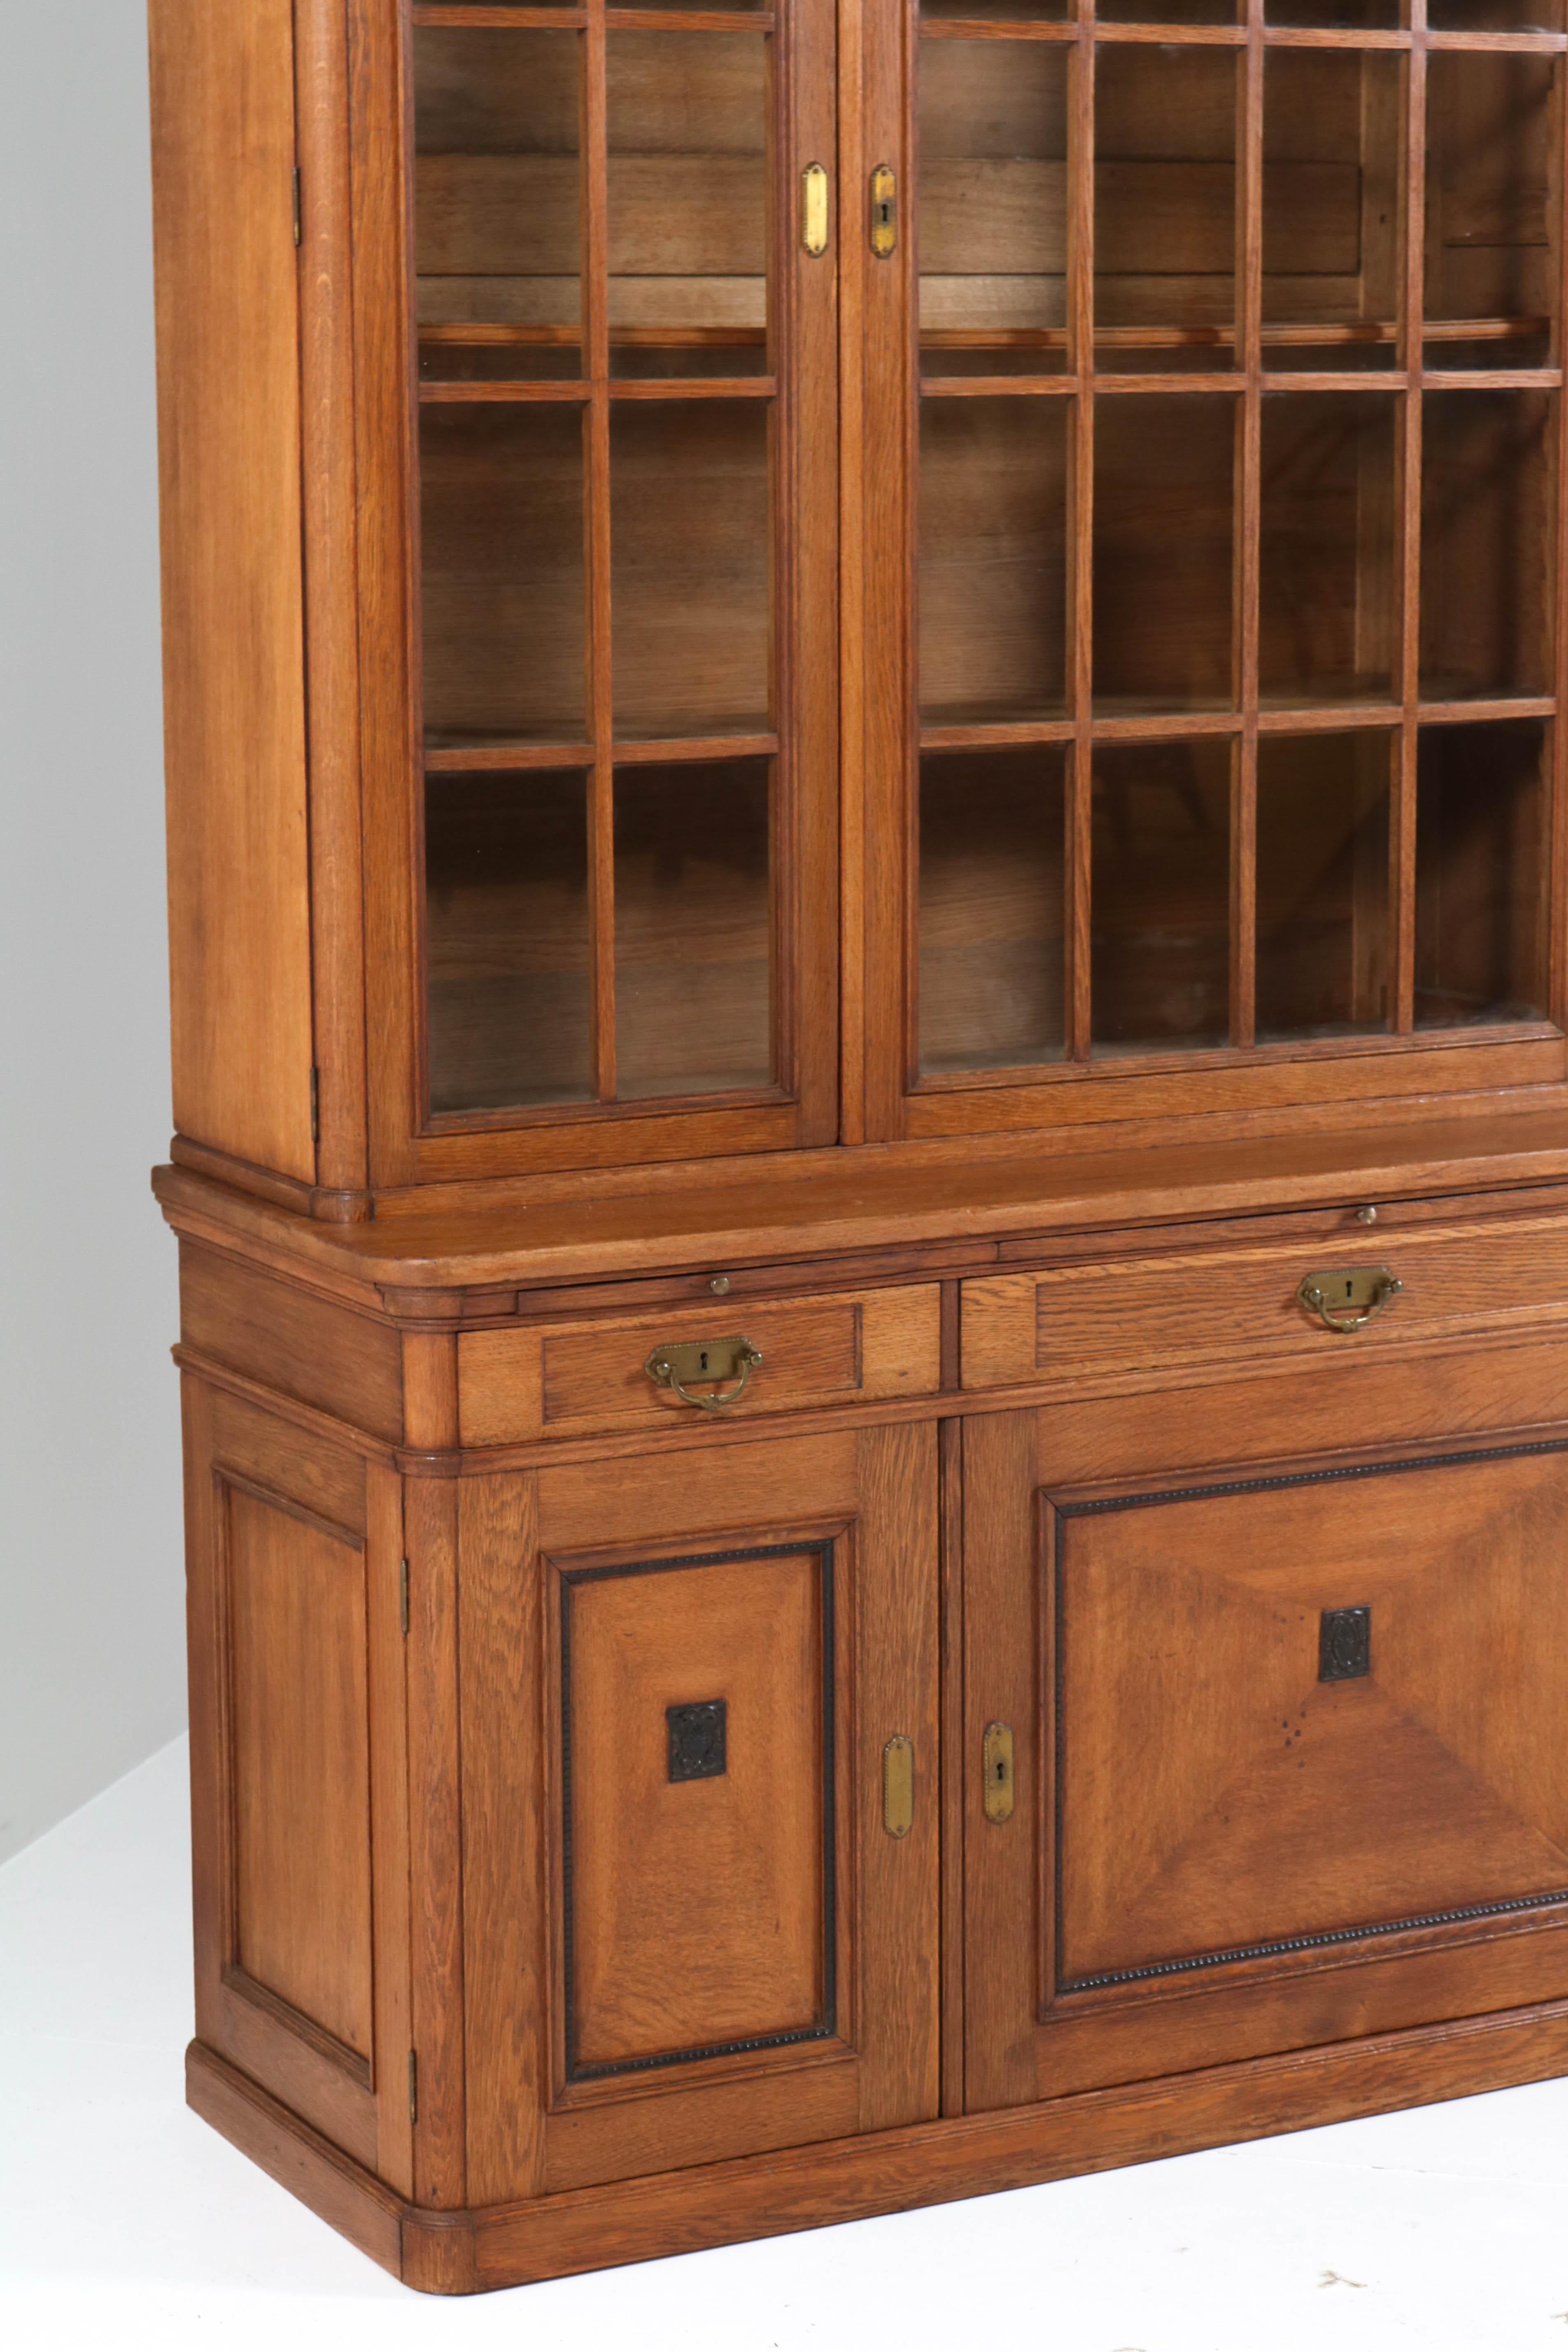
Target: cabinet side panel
299, 1742
229, 373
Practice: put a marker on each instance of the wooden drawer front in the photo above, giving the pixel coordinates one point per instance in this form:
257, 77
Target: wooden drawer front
571, 1379
1136, 1314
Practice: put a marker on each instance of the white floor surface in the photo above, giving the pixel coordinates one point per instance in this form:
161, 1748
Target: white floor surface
125, 2224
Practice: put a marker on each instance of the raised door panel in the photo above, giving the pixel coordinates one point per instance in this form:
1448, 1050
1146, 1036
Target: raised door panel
690, 1932
699, 1880
1287, 1765
299, 1750
297, 1772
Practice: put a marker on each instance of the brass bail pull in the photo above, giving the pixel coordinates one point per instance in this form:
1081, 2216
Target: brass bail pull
1347, 1298
677, 1368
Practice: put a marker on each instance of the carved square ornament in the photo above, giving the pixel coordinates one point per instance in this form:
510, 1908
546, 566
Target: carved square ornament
1344, 1645
696, 1738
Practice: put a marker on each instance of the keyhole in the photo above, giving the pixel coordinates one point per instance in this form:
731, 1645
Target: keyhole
705, 1360
1001, 1771
1350, 1290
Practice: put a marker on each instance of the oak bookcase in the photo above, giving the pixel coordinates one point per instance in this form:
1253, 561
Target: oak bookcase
868, 858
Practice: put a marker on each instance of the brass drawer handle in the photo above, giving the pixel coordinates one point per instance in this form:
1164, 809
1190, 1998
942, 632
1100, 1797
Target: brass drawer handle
704, 1360
1347, 1297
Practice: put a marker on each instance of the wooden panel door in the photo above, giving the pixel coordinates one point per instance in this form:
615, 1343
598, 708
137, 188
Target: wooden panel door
1211, 414
1286, 1724
597, 353
690, 1932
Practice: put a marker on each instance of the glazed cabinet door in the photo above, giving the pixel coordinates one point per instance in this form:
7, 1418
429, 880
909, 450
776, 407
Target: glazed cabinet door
699, 1805
1264, 1690
597, 296
1213, 416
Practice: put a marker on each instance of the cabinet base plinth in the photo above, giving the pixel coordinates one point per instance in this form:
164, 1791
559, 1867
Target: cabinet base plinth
642, 2220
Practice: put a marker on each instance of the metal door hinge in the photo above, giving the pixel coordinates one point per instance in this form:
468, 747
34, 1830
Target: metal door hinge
996, 1757
884, 212
298, 208
403, 1585
414, 2087
315, 1106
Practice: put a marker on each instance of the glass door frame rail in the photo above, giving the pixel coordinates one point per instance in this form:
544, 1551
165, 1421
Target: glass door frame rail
1241, 1076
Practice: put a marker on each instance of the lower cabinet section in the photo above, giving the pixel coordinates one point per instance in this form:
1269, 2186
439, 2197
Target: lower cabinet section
690, 1933
602, 1855
1287, 1765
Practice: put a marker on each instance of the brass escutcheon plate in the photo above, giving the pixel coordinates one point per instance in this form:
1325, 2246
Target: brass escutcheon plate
996, 1761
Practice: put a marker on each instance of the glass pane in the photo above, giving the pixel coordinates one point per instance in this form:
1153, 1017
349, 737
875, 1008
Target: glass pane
1480, 875
693, 929
1168, 12
993, 204
1164, 480
506, 864
689, 185
991, 923
1332, 121
1000, 11
1326, 609
992, 569
1346, 16
1164, 198
502, 495
691, 567
1323, 884
1486, 544
1160, 950
1353, 349
1495, 15
497, 202
1491, 130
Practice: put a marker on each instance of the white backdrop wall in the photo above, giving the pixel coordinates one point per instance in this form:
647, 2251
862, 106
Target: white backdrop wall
91, 1668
